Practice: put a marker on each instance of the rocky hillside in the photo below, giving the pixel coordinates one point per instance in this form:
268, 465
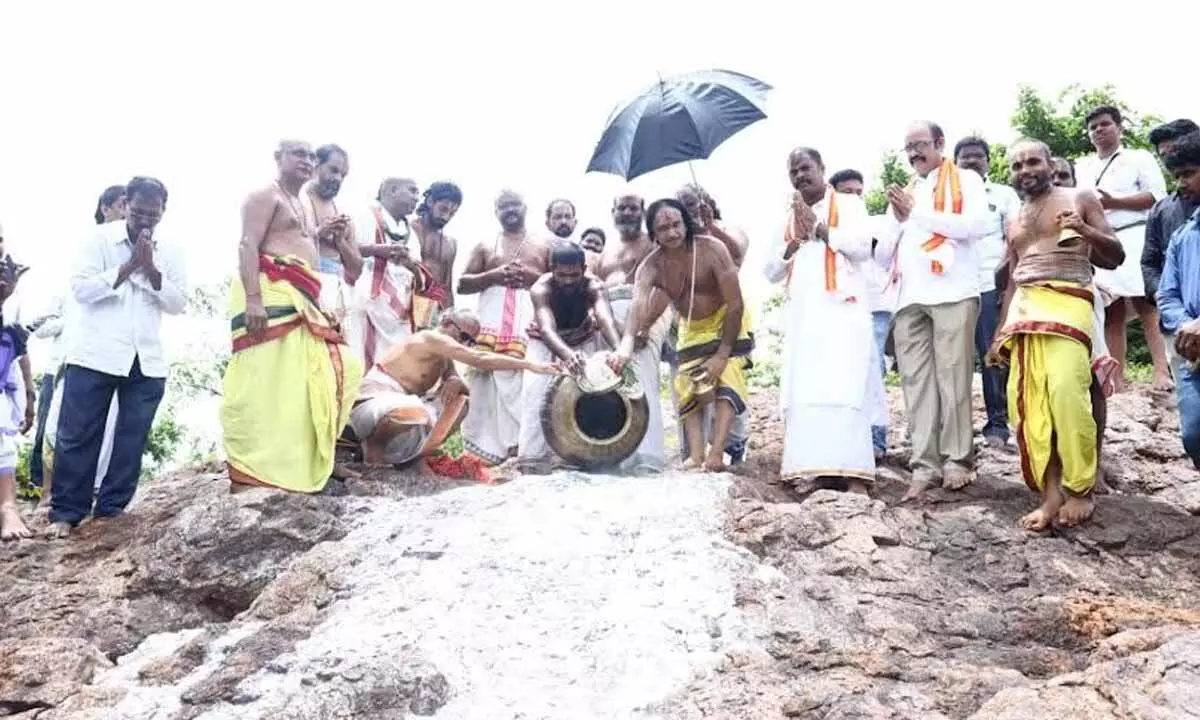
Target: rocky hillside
574, 597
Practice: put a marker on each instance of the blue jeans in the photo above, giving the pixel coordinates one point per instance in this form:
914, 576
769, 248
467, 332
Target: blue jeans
1187, 390
882, 322
995, 379
45, 392
87, 395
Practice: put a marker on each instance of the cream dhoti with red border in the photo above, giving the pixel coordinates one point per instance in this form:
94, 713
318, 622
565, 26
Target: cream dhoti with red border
492, 427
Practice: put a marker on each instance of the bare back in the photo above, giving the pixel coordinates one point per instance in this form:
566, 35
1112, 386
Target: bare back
673, 275
619, 260
415, 363
282, 223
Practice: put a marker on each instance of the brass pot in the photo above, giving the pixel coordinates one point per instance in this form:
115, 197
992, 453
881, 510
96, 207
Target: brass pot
593, 431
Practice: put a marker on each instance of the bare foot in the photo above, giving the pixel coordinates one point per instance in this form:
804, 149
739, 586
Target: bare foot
421, 467
58, 530
1162, 382
237, 487
916, 490
341, 472
1040, 519
858, 486
691, 465
715, 463
1076, 510
12, 527
994, 441
957, 477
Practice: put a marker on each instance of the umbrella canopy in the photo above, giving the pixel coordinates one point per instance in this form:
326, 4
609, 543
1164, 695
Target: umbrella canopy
681, 118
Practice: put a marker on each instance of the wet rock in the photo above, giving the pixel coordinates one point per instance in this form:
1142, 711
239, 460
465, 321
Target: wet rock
677, 597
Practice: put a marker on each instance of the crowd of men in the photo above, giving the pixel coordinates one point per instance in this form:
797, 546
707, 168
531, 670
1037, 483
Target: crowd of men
345, 331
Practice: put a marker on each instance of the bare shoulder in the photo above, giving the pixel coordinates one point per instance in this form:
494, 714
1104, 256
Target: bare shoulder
262, 197
541, 286
713, 250
1085, 199
449, 246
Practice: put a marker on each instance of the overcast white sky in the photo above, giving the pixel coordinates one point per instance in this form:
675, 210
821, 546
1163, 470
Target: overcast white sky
506, 94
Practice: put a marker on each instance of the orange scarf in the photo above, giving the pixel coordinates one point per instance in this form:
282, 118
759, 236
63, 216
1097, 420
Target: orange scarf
789, 236
947, 174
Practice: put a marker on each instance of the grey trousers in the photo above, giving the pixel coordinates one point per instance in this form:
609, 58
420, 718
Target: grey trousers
935, 354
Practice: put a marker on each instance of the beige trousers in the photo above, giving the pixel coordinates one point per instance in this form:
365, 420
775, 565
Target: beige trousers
935, 354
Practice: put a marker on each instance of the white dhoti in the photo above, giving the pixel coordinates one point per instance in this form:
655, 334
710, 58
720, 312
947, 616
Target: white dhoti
492, 427
1126, 280
830, 387
532, 443
383, 401
651, 453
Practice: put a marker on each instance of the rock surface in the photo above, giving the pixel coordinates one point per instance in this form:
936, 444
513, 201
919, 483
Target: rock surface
569, 596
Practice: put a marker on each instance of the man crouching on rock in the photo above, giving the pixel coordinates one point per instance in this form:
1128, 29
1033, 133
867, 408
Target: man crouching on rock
572, 320
1047, 335
696, 274
413, 399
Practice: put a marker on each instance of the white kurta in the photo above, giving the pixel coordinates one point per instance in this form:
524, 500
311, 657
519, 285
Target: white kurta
1131, 171
830, 389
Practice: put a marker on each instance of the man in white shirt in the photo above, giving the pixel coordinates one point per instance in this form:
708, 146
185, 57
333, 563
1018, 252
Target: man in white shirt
929, 246
1128, 182
973, 153
123, 280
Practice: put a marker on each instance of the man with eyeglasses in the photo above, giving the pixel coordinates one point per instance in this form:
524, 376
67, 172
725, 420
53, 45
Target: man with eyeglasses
124, 279
291, 378
929, 243
413, 399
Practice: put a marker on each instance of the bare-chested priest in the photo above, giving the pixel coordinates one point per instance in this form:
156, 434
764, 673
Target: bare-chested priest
1048, 333
339, 262
616, 267
696, 275
501, 271
413, 399
573, 321
706, 214
291, 380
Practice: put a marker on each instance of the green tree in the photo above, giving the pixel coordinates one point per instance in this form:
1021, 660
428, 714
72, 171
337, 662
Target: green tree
1061, 124
892, 172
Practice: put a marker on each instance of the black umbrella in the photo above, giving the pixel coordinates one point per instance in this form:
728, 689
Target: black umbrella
681, 118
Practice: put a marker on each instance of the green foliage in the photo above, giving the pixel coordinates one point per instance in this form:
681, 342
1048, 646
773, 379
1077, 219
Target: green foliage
26, 490
892, 172
1060, 123
164, 439
998, 163
766, 370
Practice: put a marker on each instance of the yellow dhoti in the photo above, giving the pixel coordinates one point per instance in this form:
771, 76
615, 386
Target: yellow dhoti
698, 340
287, 394
1047, 339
